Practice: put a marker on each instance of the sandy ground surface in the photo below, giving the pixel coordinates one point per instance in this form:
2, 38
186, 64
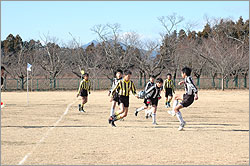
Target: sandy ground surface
46, 132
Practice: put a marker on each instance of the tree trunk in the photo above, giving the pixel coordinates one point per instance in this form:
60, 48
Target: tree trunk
245, 80
54, 83
22, 83
198, 80
175, 73
222, 83
145, 79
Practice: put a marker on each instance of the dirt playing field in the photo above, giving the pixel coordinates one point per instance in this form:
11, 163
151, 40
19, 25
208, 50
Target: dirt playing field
51, 130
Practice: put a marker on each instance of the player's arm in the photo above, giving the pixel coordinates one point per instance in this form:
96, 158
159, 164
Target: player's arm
173, 87
133, 89
115, 88
165, 85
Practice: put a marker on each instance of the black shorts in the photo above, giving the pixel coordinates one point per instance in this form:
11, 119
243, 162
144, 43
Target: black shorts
124, 100
187, 100
84, 93
116, 98
168, 92
145, 102
154, 101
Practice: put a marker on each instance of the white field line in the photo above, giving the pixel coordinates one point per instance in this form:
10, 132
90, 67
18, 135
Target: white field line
46, 134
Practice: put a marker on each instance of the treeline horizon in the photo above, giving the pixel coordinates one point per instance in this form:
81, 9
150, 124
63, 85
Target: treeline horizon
220, 50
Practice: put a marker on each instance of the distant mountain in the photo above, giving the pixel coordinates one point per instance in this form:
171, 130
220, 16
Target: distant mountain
88, 44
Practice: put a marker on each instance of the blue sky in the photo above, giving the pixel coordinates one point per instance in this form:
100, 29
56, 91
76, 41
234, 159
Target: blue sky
33, 19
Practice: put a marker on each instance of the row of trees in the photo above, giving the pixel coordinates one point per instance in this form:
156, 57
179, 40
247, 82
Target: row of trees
221, 50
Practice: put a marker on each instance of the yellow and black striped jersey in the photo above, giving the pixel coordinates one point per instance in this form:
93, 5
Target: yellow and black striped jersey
84, 85
169, 84
123, 87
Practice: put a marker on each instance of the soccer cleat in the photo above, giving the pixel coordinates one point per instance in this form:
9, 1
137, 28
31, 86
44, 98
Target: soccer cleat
110, 119
154, 123
82, 110
146, 116
136, 112
166, 105
171, 113
181, 127
113, 123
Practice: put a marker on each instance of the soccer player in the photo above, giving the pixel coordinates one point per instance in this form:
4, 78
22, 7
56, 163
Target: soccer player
187, 99
124, 87
115, 98
149, 84
153, 96
84, 90
169, 89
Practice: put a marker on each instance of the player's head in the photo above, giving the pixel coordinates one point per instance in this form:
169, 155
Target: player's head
152, 78
159, 82
186, 71
2, 70
169, 76
119, 74
86, 76
127, 75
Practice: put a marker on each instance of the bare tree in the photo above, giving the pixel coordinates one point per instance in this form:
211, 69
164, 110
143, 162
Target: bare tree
170, 40
52, 58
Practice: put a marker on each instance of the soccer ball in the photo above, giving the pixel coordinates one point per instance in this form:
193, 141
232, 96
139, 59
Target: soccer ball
141, 94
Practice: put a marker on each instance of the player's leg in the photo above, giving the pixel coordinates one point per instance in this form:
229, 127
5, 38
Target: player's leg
112, 110
84, 101
154, 109
124, 114
170, 97
179, 117
166, 95
175, 103
141, 108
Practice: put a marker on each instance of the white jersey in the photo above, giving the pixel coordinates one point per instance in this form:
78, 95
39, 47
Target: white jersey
190, 88
114, 83
153, 92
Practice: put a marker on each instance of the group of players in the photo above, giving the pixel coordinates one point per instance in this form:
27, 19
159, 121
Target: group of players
122, 85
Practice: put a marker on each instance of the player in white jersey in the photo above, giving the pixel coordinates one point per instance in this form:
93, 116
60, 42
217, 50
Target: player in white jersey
187, 98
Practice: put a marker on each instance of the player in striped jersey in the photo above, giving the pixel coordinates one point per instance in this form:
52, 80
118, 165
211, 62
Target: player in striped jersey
153, 96
149, 84
187, 99
124, 87
83, 91
115, 98
169, 89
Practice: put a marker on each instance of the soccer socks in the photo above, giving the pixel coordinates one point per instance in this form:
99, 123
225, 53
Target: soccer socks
154, 118
166, 101
149, 111
179, 116
140, 109
112, 111
117, 117
175, 103
82, 105
117, 113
